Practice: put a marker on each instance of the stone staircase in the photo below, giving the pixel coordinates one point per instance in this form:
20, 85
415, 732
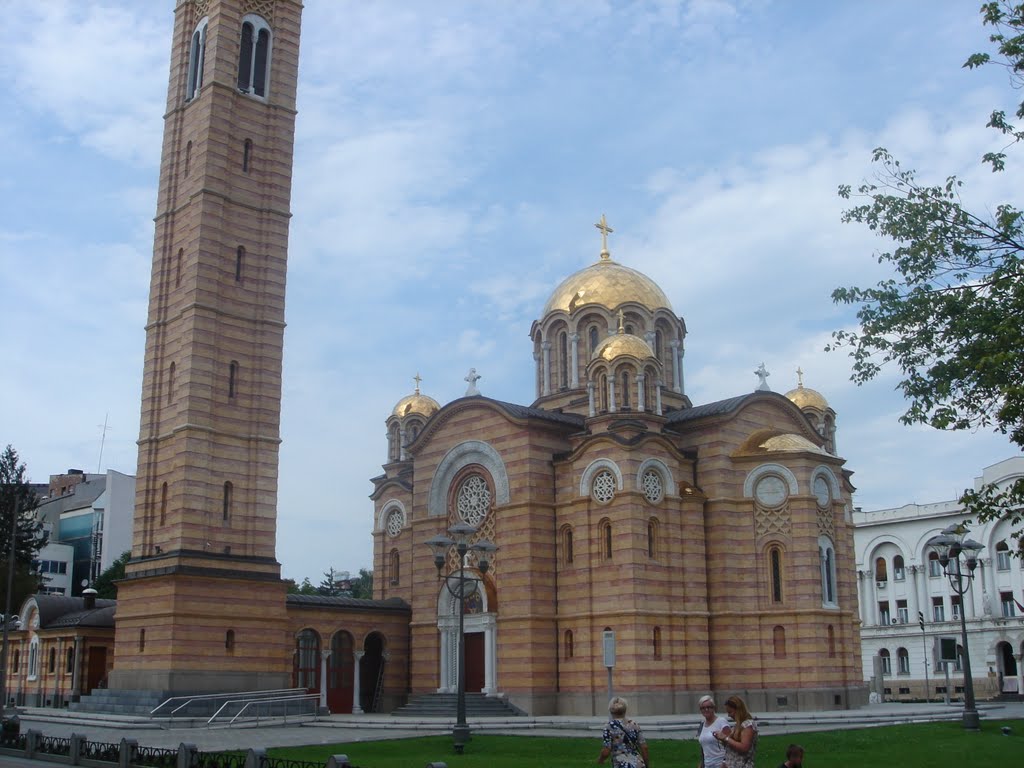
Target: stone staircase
444, 705
113, 701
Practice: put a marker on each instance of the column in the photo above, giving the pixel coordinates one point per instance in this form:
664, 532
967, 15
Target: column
674, 344
1020, 672
912, 603
641, 380
324, 656
869, 597
401, 444
445, 659
76, 674
490, 657
357, 657
592, 410
611, 394
682, 378
574, 370
657, 397
546, 387
537, 366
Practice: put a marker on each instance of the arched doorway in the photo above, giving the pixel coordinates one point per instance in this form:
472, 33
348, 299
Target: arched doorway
339, 673
306, 670
479, 635
371, 672
1007, 667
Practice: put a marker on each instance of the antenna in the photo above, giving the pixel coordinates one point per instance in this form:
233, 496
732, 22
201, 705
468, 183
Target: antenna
103, 439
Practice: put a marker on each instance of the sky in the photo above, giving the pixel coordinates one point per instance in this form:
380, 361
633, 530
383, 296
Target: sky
451, 159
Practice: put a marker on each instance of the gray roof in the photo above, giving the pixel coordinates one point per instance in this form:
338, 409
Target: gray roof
63, 611
323, 601
526, 412
717, 408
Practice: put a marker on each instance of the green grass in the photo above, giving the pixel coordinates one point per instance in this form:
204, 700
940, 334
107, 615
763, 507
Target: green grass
923, 745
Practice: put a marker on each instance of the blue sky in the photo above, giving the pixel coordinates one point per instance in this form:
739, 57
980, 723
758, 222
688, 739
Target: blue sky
451, 160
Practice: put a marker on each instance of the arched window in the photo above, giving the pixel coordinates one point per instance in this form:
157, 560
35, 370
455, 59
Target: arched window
1002, 556
232, 379
881, 574
567, 554
902, 661
827, 553
254, 56
652, 538
246, 155
775, 571
69, 661
831, 642
196, 60
163, 504
394, 444
594, 338
33, 658
899, 571
188, 157
307, 660
656, 642
602, 392
177, 267
567, 644
16, 661
142, 640
170, 384
394, 567
239, 263
659, 345
934, 566
563, 359
229, 641
886, 661
625, 391
229, 491
605, 534
779, 642
51, 666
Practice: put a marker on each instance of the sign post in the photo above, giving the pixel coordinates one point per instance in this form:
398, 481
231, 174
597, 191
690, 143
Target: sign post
609, 656
924, 649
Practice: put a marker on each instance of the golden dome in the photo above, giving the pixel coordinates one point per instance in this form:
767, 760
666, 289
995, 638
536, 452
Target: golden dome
789, 443
623, 343
608, 284
804, 397
416, 403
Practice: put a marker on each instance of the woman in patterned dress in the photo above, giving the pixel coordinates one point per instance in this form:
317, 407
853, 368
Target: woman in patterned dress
622, 739
740, 743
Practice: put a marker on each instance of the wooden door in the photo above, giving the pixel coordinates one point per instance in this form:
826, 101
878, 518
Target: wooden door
97, 670
475, 662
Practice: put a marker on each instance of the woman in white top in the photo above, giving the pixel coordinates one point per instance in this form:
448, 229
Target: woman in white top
711, 749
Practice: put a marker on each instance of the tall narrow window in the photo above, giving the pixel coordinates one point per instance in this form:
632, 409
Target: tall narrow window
395, 566
652, 539
902, 661
170, 384
1002, 556
594, 340
177, 267
229, 490
625, 391
254, 56
934, 566
51, 666
188, 158
886, 661
828, 570
246, 155
69, 661
142, 640
899, 571
938, 609
563, 360
656, 642
881, 574
163, 504
239, 263
567, 545
196, 60
779, 642
775, 564
233, 379
605, 533
831, 642
567, 644
229, 641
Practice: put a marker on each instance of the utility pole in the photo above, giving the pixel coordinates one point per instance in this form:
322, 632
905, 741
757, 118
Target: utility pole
7, 605
924, 649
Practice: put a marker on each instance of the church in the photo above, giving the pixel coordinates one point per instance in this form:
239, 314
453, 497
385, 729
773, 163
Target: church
618, 537
644, 545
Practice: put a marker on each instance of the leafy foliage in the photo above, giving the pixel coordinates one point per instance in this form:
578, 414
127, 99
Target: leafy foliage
105, 584
950, 318
337, 584
17, 493
305, 588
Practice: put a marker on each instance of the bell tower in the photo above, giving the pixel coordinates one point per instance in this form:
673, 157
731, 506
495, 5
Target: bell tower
202, 606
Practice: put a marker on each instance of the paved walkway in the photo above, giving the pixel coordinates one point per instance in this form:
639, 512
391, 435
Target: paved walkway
345, 729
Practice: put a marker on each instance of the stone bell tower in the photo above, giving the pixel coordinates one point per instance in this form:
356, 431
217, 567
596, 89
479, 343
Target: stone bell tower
202, 606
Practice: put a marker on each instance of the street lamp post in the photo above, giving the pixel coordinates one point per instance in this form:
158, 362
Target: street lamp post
7, 605
950, 546
441, 545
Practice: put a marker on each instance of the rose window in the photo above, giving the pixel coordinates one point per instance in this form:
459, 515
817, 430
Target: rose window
652, 486
473, 500
394, 523
604, 486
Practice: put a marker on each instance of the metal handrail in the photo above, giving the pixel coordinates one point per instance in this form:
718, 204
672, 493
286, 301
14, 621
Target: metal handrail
213, 696
312, 697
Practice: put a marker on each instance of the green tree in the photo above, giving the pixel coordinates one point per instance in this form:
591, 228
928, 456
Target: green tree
105, 584
15, 492
950, 317
362, 585
305, 588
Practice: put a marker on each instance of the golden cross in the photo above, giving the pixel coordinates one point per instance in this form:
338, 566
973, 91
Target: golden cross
605, 229
417, 379
799, 377
622, 317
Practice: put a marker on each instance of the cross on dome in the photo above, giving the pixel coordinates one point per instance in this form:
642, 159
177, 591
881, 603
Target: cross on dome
605, 229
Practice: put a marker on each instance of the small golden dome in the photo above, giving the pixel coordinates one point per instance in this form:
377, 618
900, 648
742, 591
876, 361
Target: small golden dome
623, 343
416, 403
805, 397
608, 284
789, 443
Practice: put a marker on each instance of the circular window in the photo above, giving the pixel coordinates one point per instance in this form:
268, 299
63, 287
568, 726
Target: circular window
395, 521
771, 491
604, 486
473, 500
822, 491
652, 487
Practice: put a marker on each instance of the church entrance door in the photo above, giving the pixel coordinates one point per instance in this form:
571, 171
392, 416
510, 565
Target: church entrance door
97, 667
475, 663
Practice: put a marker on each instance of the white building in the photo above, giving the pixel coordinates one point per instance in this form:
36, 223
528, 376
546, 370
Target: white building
900, 580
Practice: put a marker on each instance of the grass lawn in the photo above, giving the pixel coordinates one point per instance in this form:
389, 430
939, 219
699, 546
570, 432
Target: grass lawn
923, 745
